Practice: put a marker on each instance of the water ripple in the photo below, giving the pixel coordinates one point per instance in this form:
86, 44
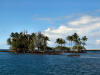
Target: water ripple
28, 64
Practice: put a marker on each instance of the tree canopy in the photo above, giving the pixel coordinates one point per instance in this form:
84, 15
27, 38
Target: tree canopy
22, 42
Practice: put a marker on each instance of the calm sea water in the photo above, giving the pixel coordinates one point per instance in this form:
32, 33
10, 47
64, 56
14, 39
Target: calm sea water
28, 64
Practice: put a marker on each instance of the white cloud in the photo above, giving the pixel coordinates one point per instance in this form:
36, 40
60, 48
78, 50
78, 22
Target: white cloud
98, 42
85, 20
84, 25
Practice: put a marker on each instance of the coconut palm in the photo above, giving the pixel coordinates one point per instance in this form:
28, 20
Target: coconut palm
60, 41
84, 39
32, 40
40, 37
45, 42
64, 42
9, 41
75, 38
70, 39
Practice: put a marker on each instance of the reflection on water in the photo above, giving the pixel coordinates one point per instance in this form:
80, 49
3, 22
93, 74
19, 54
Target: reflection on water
28, 64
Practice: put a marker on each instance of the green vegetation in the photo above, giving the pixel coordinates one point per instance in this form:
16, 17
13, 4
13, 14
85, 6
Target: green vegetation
23, 42
79, 43
60, 41
62, 48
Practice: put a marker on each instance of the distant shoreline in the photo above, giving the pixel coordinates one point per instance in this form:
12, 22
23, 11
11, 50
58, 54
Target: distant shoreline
7, 50
4, 51
94, 50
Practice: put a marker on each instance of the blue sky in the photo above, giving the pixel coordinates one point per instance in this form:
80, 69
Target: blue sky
50, 15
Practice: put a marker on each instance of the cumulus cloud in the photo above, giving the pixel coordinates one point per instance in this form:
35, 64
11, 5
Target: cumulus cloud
84, 25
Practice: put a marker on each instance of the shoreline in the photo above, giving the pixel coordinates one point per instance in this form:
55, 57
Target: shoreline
52, 52
5, 51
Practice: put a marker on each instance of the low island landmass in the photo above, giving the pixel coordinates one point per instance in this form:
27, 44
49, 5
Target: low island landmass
37, 43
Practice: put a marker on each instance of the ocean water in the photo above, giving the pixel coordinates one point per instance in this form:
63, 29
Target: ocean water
29, 64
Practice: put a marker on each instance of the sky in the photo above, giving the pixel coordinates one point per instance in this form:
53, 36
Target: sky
54, 18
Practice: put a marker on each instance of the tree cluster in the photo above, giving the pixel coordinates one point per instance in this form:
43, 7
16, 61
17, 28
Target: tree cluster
75, 40
23, 42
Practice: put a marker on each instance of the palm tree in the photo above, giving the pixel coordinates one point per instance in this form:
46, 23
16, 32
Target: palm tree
70, 39
40, 37
64, 42
34, 39
12, 34
60, 41
45, 42
9, 41
84, 39
75, 38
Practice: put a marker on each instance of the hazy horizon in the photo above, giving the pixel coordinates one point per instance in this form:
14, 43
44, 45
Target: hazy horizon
54, 18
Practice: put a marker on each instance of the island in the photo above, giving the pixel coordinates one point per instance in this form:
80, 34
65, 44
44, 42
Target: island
38, 43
